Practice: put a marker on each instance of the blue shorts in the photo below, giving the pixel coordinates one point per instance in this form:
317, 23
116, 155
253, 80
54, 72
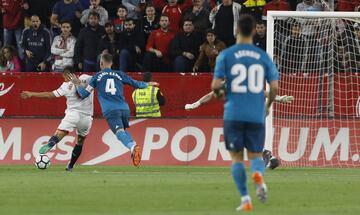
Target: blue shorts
239, 135
117, 119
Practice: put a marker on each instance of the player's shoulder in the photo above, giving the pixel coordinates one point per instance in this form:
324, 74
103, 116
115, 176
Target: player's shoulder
85, 77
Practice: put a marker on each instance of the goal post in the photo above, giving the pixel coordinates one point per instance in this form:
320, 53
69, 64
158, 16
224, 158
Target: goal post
318, 57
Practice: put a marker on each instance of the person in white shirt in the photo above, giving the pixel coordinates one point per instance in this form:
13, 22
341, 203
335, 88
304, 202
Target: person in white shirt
63, 48
78, 114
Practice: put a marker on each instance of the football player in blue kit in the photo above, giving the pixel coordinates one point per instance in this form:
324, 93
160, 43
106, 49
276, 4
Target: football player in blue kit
245, 68
109, 84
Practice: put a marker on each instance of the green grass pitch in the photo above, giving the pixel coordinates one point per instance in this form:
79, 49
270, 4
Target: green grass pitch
172, 191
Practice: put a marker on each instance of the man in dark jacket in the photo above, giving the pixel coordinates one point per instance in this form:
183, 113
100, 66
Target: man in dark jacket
130, 45
184, 48
108, 43
37, 45
87, 44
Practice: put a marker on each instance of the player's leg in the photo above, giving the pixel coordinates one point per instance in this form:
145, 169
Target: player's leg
59, 134
68, 123
76, 152
254, 142
83, 128
234, 144
118, 121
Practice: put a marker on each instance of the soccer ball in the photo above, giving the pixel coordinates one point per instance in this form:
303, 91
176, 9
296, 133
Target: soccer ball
42, 162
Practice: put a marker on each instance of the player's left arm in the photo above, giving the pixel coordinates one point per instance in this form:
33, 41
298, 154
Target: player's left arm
272, 76
83, 90
134, 83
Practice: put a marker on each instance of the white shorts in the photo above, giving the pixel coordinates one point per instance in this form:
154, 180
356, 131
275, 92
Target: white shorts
81, 122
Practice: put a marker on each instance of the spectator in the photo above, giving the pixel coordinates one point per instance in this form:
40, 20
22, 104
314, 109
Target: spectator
224, 19
275, 5
255, 7
13, 18
111, 6
121, 16
131, 43
87, 44
157, 47
260, 37
149, 22
199, 15
294, 51
184, 48
12, 63
2, 63
312, 5
63, 48
94, 7
347, 5
133, 8
174, 12
209, 51
147, 101
85, 4
108, 41
37, 44
66, 10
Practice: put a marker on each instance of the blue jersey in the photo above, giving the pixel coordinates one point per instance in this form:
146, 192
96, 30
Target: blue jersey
245, 68
110, 92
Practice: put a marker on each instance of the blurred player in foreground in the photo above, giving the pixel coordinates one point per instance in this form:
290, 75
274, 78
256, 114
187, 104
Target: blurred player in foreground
109, 85
271, 161
245, 67
78, 114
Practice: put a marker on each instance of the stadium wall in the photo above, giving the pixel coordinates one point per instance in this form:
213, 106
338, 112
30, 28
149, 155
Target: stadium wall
193, 142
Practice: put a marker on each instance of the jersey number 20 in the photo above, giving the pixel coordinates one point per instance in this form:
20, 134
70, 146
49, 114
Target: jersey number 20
110, 86
254, 75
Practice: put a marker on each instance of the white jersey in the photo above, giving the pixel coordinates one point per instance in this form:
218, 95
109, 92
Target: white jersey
73, 101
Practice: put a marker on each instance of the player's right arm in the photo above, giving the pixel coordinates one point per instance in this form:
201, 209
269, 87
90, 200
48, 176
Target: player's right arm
205, 99
134, 83
272, 78
217, 84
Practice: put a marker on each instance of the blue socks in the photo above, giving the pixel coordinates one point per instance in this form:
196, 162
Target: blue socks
239, 175
53, 140
125, 138
257, 164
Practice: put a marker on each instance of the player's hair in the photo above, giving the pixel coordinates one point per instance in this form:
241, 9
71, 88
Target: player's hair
246, 25
107, 58
68, 70
147, 76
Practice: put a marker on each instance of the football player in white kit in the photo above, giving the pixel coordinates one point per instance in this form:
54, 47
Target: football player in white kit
78, 114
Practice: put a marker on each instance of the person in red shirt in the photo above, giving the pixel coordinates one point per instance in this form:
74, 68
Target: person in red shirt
174, 12
157, 48
347, 5
13, 19
275, 5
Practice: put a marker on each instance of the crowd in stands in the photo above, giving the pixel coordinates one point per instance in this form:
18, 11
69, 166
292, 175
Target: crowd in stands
143, 35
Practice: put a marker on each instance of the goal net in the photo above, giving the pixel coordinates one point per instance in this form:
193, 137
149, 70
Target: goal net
317, 54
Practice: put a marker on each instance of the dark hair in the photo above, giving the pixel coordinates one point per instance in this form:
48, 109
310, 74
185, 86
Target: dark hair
11, 49
149, 5
210, 31
65, 21
163, 15
121, 6
246, 25
260, 22
188, 19
130, 20
107, 58
147, 76
93, 13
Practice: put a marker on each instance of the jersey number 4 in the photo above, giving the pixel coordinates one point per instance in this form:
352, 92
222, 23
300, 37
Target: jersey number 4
110, 86
254, 75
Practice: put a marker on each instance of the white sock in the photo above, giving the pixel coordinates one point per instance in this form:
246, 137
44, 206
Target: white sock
245, 198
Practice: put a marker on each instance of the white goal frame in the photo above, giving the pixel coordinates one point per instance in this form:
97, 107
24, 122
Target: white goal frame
270, 46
